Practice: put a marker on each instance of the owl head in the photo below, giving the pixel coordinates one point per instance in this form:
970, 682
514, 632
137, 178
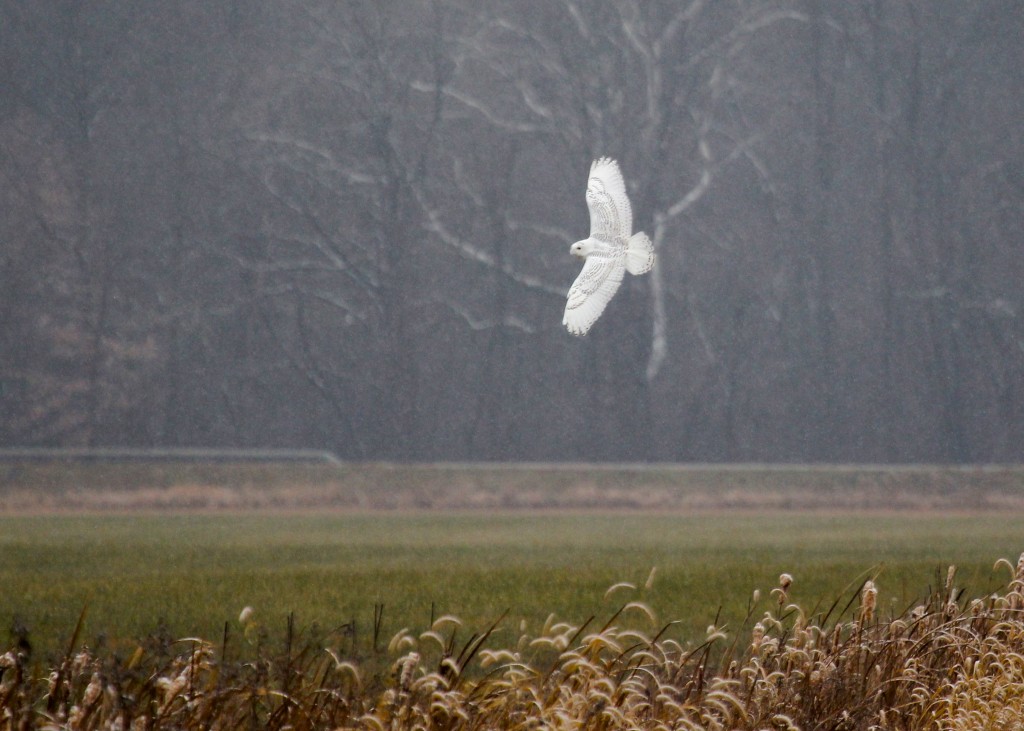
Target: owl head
580, 249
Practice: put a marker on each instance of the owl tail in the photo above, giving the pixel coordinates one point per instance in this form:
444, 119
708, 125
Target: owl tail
639, 254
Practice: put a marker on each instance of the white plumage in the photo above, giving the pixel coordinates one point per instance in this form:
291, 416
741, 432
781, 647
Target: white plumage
611, 249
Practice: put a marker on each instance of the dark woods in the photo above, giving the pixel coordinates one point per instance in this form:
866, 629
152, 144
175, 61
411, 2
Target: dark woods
346, 225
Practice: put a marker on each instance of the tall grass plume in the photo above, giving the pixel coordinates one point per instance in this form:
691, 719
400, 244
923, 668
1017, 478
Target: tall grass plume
946, 662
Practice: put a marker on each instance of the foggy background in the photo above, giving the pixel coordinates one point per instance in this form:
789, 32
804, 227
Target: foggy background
345, 225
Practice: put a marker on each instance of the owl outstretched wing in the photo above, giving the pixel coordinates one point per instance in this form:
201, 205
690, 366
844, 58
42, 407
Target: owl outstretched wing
596, 284
611, 216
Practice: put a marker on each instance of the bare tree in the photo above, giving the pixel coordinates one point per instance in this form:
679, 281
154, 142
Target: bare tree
346, 225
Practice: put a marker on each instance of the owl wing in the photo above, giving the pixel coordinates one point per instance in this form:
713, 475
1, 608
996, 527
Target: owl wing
596, 284
611, 216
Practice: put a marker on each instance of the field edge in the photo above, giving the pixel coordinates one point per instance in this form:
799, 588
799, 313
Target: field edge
67, 486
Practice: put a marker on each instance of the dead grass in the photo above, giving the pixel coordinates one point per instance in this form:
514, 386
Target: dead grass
949, 662
57, 487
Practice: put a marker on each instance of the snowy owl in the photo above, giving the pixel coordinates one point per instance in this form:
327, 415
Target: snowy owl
611, 249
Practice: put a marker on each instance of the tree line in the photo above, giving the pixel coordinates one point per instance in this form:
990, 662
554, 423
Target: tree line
345, 225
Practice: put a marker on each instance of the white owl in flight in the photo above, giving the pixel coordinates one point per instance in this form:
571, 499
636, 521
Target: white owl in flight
611, 249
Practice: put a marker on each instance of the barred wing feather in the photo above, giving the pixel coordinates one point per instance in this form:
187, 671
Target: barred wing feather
593, 289
610, 213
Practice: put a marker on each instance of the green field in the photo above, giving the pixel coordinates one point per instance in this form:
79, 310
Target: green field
194, 572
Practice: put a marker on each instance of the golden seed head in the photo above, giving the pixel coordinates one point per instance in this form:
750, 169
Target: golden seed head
650, 578
92, 692
868, 598
869, 594
757, 635
408, 668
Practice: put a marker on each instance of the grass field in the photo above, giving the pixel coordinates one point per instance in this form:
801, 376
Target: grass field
164, 551
197, 571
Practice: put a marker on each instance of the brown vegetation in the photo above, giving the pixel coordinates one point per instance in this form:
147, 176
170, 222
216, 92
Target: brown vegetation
947, 663
53, 487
